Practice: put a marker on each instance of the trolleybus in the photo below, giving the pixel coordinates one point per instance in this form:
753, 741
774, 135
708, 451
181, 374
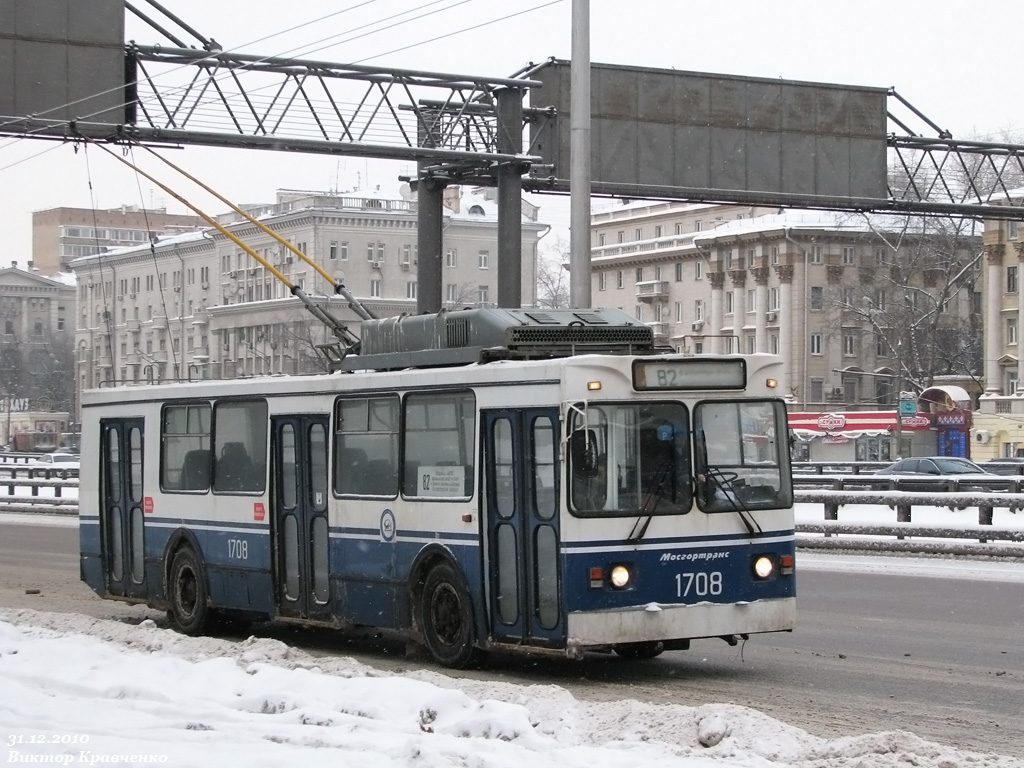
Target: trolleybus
538, 481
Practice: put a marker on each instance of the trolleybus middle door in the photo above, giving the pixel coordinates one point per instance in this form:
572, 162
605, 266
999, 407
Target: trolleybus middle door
299, 531
522, 508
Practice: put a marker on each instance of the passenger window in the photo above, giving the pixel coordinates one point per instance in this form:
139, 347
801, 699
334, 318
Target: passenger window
186, 461
366, 446
240, 447
438, 442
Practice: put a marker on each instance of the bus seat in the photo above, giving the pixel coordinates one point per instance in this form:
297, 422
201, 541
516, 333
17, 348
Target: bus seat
234, 468
195, 470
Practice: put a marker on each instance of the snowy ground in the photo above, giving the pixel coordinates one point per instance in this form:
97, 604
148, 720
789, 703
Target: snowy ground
82, 691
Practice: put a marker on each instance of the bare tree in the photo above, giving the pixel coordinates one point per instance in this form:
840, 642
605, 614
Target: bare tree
552, 275
916, 303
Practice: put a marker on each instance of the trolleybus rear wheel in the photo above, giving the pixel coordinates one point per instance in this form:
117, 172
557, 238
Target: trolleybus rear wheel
187, 586
446, 619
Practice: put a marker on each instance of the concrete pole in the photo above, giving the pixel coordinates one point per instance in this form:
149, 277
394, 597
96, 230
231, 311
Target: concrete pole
579, 151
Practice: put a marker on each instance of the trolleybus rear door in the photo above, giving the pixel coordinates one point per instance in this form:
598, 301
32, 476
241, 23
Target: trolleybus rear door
300, 528
521, 465
121, 524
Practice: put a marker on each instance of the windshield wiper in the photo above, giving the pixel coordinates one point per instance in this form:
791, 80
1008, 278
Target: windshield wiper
725, 484
651, 501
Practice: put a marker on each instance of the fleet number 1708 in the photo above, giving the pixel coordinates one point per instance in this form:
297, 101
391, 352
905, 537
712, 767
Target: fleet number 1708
701, 583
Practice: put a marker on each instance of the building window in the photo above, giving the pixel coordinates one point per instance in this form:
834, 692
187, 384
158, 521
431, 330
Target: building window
638, 312
452, 291
620, 236
657, 231
1012, 228
1011, 330
773, 298
816, 254
849, 345
679, 228
332, 252
880, 300
727, 258
343, 251
815, 343
773, 343
846, 296
481, 292
451, 258
1011, 279
600, 239
371, 251
750, 300
482, 259
618, 279
881, 257
375, 288
698, 269
406, 253
657, 273
602, 280
639, 274
849, 255
639, 235
679, 311
817, 298
679, 271
774, 255
730, 302
698, 226
698, 310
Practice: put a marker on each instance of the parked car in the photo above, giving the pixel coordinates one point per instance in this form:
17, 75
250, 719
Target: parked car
924, 468
1010, 465
60, 464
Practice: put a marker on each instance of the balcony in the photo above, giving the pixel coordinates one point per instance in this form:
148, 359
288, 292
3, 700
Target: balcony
660, 330
133, 325
201, 317
652, 290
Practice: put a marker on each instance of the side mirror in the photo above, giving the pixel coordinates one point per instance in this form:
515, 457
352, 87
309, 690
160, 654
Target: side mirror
583, 452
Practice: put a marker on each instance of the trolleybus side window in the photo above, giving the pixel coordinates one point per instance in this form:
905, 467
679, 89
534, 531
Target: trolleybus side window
742, 455
438, 455
185, 438
240, 446
366, 446
630, 459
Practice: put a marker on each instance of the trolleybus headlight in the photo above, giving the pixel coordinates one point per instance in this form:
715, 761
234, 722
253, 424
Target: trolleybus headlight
620, 576
763, 567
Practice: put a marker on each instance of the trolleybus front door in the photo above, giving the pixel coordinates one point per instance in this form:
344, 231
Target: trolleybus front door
121, 524
521, 465
300, 529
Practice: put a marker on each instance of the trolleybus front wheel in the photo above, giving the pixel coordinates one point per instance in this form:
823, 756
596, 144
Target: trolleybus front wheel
187, 586
645, 650
446, 619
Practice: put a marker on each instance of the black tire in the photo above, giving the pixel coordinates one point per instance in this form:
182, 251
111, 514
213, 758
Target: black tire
446, 619
646, 650
189, 612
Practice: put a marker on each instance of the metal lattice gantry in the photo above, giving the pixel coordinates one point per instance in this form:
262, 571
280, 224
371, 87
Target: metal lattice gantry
230, 99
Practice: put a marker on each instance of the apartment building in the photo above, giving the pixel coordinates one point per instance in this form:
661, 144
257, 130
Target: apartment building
61, 235
197, 305
999, 423
36, 385
858, 306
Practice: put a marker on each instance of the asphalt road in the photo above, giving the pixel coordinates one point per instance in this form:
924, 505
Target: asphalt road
937, 656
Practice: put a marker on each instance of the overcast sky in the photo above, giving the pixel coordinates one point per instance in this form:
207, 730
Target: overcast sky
944, 58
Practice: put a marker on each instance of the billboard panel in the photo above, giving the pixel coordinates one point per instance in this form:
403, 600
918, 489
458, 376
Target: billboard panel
62, 60
691, 130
